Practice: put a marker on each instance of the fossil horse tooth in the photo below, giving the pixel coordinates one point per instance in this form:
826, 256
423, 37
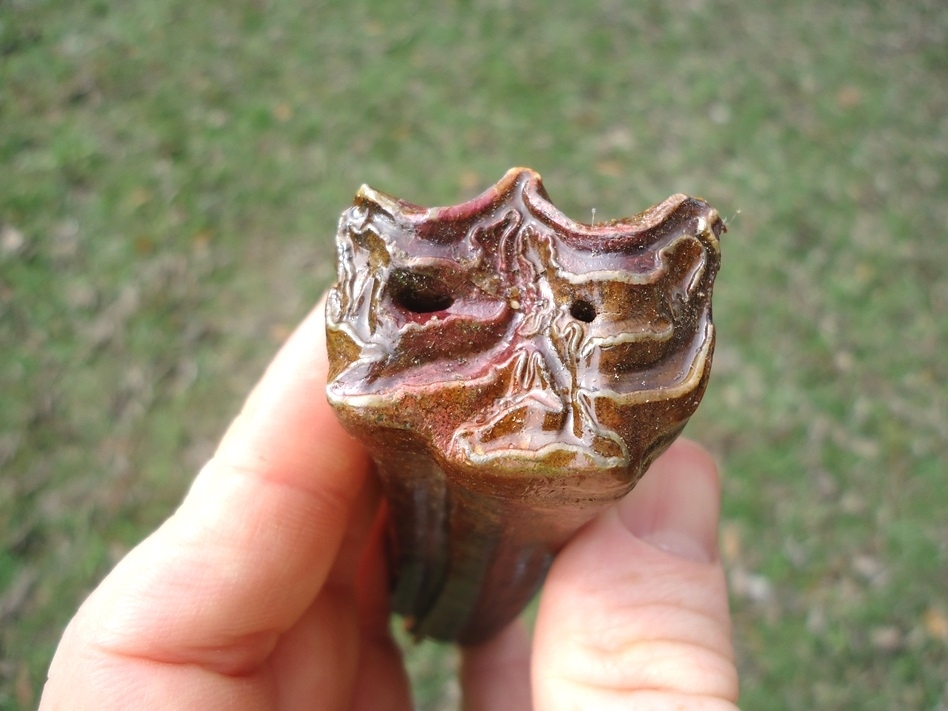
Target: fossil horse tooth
512, 373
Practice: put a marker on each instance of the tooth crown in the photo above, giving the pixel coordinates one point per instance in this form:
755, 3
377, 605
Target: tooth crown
512, 372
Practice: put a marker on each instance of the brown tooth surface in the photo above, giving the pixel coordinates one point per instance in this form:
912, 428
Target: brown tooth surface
512, 373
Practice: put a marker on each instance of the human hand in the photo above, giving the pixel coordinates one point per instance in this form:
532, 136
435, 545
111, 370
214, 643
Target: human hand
633, 614
267, 588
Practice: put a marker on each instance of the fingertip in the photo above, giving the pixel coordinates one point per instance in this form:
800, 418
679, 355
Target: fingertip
676, 505
686, 454
259, 532
286, 429
641, 618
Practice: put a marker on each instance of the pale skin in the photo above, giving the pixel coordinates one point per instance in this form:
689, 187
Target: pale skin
266, 589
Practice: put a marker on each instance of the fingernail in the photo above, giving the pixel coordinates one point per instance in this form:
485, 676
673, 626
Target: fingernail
675, 506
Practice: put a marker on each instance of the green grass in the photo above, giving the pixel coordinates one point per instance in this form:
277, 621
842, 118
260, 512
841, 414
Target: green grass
171, 174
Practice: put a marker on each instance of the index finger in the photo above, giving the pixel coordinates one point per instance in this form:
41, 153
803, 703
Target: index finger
256, 536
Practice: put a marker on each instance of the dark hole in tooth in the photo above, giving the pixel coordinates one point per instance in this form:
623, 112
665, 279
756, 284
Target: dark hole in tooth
582, 310
424, 303
419, 293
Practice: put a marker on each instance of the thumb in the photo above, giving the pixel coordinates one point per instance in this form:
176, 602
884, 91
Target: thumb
635, 608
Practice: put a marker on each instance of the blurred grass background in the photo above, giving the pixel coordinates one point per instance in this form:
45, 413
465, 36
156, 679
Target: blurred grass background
171, 174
